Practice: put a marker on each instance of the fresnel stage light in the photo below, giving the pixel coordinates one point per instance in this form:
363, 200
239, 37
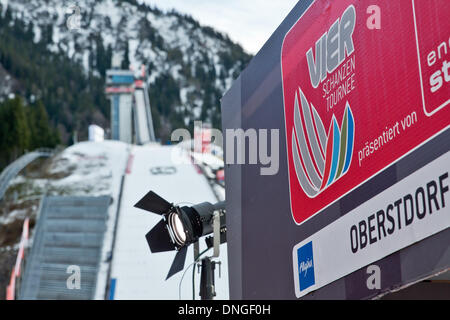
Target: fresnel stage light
183, 226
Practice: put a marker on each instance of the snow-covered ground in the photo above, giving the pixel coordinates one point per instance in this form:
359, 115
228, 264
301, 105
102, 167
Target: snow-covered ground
85, 169
96, 169
138, 273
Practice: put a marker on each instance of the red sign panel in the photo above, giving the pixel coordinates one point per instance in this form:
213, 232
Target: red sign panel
357, 95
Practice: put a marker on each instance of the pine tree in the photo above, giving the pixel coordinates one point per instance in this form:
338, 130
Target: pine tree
24, 128
126, 59
39, 124
101, 58
16, 133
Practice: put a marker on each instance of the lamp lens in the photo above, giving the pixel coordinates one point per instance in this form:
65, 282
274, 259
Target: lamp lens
177, 228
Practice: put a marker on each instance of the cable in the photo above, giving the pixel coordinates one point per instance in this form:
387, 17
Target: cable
193, 282
179, 286
181, 281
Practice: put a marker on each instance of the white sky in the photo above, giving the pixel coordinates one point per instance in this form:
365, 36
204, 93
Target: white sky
248, 22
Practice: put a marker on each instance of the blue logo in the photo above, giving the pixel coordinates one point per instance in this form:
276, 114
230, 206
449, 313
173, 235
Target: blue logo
306, 266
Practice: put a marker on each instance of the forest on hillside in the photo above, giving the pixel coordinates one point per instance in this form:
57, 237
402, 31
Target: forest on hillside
68, 92
24, 128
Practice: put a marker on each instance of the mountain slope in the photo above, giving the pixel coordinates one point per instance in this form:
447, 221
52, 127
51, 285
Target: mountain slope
189, 66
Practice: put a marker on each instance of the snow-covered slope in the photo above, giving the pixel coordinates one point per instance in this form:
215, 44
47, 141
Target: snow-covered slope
200, 62
85, 169
136, 272
93, 168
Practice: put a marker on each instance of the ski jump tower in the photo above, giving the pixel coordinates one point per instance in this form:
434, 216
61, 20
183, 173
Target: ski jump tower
131, 118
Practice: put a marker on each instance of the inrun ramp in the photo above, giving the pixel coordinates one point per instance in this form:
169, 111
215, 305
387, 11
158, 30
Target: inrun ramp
69, 232
145, 132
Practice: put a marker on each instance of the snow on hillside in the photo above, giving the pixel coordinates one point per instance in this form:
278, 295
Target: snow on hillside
169, 44
95, 168
85, 169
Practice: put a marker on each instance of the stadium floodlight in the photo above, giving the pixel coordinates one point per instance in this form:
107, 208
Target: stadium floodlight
182, 226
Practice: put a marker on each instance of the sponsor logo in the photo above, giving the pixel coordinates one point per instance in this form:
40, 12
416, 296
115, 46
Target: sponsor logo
306, 266
319, 75
332, 48
433, 53
320, 159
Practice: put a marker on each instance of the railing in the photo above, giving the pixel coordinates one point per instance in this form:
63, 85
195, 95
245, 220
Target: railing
14, 283
11, 171
6, 176
45, 151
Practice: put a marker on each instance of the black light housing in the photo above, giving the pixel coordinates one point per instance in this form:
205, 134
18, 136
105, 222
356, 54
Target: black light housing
180, 226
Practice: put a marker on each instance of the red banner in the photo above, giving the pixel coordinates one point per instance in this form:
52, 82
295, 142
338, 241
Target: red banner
365, 83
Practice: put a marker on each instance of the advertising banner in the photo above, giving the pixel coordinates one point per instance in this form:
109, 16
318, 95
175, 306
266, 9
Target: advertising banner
407, 212
360, 93
357, 99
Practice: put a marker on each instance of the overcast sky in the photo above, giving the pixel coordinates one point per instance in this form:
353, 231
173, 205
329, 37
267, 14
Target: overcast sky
248, 22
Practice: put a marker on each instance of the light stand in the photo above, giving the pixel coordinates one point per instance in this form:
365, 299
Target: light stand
207, 278
207, 283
